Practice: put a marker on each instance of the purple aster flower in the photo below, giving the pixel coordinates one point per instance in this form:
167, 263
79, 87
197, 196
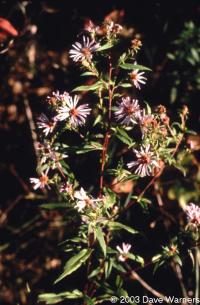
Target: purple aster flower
146, 162
83, 51
76, 114
128, 111
193, 213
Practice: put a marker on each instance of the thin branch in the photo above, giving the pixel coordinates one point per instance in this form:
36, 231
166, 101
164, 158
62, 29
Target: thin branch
31, 123
176, 268
4, 215
135, 276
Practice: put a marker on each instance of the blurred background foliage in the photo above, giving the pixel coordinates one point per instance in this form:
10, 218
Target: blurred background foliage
37, 63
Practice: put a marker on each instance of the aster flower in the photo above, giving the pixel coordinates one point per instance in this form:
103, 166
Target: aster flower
45, 124
81, 52
146, 121
90, 27
40, 182
57, 97
66, 187
128, 111
124, 250
137, 78
47, 152
193, 213
84, 200
146, 162
136, 44
113, 28
76, 115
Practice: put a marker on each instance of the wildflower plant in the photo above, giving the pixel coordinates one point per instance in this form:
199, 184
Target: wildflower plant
111, 121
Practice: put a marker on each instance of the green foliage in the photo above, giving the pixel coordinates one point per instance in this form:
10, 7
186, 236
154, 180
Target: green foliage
53, 298
74, 263
186, 55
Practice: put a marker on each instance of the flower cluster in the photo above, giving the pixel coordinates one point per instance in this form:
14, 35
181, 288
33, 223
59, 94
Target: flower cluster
193, 214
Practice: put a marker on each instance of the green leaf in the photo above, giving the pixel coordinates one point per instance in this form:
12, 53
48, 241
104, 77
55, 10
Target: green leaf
114, 225
74, 263
119, 267
108, 268
101, 240
88, 300
136, 258
106, 46
177, 259
134, 67
156, 257
122, 135
171, 56
53, 298
119, 282
148, 108
125, 85
92, 87
97, 120
195, 54
173, 94
4, 247
192, 257
94, 273
88, 73
90, 147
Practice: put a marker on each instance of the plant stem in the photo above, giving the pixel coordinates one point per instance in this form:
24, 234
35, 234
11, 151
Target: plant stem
135, 276
107, 135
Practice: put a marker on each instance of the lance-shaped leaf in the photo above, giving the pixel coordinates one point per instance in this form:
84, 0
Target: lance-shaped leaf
88, 73
114, 225
92, 87
106, 46
74, 263
125, 85
135, 258
91, 146
101, 240
123, 136
54, 298
134, 67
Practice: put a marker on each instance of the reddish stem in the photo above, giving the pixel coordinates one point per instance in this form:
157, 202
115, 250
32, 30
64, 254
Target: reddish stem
107, 135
